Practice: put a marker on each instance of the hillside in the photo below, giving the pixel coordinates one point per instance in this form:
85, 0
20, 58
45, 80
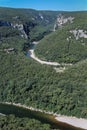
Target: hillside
69, 43
63, 38
12, 122
35, 24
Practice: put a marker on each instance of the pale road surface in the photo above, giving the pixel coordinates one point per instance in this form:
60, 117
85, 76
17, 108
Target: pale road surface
32, 55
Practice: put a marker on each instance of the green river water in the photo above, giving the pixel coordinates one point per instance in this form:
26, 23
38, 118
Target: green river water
44, 118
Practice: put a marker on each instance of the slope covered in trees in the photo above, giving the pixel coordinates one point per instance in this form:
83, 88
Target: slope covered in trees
68, 44
22, 79
11, 123
25, 81
36, 24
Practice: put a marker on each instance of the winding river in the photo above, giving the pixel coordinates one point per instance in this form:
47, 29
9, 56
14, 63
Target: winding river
20, 111
70, 120
31, 54
23, 111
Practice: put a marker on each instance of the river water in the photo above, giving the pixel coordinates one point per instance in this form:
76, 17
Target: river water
44, 118
33, 46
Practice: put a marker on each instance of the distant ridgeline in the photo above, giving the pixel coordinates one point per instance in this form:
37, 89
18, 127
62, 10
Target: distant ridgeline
28, 23
63, 39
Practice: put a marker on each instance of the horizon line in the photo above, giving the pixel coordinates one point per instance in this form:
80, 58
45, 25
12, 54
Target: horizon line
42, 9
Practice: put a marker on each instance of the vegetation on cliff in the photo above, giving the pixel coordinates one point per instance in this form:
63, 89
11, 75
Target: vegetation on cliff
62, 45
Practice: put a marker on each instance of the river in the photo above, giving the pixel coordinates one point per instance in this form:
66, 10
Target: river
20, 111
74, 121
41, 116
31, 54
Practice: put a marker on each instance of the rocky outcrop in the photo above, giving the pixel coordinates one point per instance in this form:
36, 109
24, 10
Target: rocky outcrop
23, 28
9, 50
20, 27
28, 26
79, 34
61, 20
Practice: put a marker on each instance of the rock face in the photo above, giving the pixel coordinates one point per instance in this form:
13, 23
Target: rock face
41, 21
20, 27
23, 28
79, 34
61, 20
27, 27
9, 50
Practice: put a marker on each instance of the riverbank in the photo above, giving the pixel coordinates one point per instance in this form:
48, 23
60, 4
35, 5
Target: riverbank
58, 67
2, 114
33, 56
75, 122
28, 107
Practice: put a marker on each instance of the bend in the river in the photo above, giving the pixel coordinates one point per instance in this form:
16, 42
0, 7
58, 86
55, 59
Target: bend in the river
32, 55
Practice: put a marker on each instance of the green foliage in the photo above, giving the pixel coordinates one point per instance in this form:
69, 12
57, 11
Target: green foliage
28, 82
56, 47
15, 123
36, 23
8, 31
22, 80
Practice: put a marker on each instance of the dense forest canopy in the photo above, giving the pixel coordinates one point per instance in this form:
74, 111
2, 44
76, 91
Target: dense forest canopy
25, 81
67, 44
11, 122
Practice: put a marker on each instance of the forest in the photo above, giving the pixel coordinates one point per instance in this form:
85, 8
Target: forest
62, 46
11, 123
25, 81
